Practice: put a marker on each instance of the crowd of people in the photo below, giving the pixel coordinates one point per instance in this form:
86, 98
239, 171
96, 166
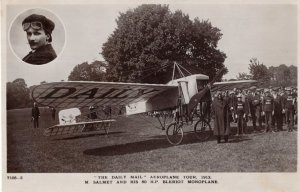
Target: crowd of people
269, 110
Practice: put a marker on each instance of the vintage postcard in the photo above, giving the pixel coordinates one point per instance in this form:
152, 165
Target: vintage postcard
150, 95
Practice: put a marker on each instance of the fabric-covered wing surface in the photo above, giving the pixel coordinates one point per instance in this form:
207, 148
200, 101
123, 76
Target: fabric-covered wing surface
229, 85
83, 94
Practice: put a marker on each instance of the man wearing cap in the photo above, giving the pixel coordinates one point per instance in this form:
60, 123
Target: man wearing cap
253, 100
268, 110
227, 109
231, 105
39, 29
241, 111
294, 92
93, 112
289, 106
236, 91
278, 110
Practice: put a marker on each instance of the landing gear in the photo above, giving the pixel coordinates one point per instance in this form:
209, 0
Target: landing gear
175, 133
203, 130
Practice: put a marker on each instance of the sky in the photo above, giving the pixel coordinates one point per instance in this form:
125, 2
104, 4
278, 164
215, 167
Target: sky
266, 32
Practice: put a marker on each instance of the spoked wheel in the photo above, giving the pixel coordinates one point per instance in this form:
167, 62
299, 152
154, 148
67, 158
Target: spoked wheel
203, 130
175, 133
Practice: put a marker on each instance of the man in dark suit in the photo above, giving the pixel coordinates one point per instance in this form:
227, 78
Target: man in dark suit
220, 121
254, 105
277, 117
39, 29
268, 110
35, 114
289, 106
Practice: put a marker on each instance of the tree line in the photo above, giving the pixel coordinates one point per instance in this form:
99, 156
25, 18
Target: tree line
281, 76
17, 94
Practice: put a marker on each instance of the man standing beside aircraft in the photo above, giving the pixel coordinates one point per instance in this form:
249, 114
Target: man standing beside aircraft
53, 112
220, 124
35, 114
93, 112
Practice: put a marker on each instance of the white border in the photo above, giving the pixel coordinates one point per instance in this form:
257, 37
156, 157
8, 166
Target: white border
266, 182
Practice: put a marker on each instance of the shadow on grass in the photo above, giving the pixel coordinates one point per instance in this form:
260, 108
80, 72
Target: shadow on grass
156, 142
86, 136
189, 137
238, 139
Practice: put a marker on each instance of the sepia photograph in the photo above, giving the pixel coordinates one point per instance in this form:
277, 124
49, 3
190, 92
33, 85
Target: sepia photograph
161, 94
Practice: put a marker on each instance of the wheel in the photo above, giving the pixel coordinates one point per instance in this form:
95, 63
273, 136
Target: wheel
174, 133
202, 130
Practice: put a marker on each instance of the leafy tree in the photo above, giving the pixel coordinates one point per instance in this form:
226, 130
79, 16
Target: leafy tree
283, 75
294, 72
17, 94
98, 71
88, 72
80, 72
150, 38
243, 76
259, 71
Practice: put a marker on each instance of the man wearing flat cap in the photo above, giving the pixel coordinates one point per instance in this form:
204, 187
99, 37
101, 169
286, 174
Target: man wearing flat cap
241, 109
254, 104
39, 29
268, 110
289, 106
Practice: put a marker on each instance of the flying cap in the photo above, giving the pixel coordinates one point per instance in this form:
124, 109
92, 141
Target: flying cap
48, 25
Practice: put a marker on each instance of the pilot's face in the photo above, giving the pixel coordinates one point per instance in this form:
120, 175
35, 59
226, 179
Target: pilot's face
36, 38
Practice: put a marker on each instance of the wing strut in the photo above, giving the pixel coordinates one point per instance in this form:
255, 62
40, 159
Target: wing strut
179, 67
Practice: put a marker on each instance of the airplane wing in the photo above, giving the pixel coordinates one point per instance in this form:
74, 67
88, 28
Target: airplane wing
83, 94
229, 85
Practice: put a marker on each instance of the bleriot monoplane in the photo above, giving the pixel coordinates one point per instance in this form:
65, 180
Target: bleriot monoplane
180, 95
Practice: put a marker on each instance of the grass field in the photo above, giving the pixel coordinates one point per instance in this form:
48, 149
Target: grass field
134, 145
